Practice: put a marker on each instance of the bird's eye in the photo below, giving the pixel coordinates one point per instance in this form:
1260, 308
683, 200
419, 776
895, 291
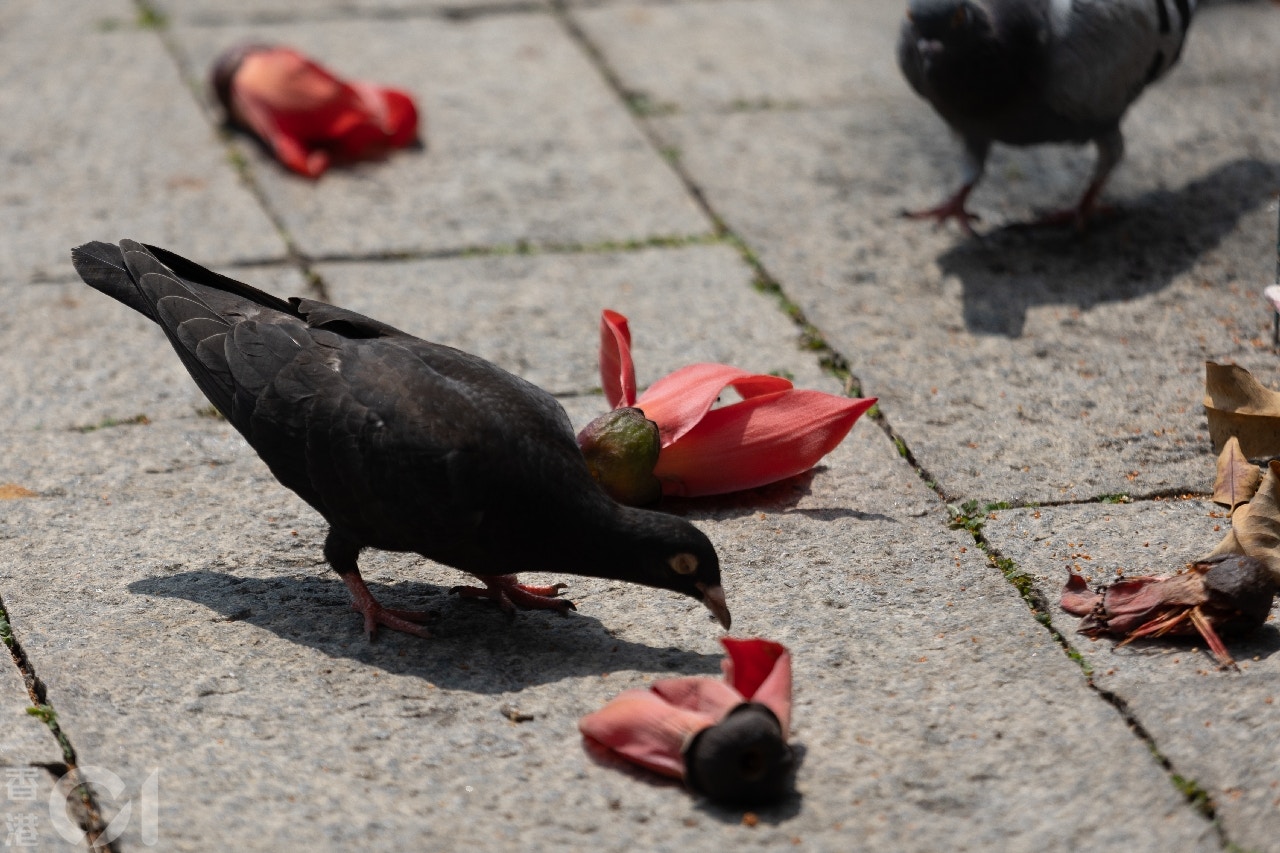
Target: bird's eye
683, 564
961, 16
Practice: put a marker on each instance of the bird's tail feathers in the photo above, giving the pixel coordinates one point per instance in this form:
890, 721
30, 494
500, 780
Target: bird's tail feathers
103, 267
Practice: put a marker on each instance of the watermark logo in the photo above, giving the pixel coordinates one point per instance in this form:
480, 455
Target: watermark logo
23, 829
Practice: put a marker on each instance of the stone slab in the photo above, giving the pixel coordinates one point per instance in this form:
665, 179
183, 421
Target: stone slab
1026, 366
748, 54
508, 158
934, 711
27, 747
539, 316
216, 12
76, 358
1220, 730
102, 140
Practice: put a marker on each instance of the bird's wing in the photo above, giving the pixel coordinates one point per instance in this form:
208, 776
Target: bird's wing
1103, 53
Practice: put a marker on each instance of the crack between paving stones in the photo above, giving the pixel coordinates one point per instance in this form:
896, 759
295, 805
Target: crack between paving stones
83, 805
235, 157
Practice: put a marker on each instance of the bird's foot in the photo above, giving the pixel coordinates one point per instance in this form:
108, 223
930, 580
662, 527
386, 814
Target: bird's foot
952, 208
509, 595
363, 602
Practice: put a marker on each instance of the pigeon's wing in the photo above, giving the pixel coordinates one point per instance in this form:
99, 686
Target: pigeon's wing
1103, 53
387, 447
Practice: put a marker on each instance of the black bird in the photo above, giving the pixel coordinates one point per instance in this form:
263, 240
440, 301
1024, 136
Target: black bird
402, 444
1026, 72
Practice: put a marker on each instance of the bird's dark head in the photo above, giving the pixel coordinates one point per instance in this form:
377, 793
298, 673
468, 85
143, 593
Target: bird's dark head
939, 26
670, 553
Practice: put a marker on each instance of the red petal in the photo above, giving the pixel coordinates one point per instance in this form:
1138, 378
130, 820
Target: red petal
1077, 599
678, 401
298, 106
617, 373
699, 693
641, 727
757, 441
761, 671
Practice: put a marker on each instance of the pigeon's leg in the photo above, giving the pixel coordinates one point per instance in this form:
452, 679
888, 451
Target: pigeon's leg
341, 554
975, 162
1110, 149
504, 591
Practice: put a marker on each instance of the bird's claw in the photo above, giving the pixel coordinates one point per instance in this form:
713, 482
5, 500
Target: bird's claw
952, 208
509, 595
405, 621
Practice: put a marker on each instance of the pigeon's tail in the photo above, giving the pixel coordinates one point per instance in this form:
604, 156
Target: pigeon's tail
103, 268
197, 308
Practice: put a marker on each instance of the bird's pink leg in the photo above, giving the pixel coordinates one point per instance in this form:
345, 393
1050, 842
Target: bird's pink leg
508, 594
952, 208
1110, 149
363, 602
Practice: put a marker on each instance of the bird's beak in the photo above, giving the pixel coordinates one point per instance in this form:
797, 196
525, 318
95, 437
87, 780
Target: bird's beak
713, 598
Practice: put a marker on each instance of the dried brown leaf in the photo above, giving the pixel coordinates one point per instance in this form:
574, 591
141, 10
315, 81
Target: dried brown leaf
12, 491
1237, 478
1239, 405
1255, 526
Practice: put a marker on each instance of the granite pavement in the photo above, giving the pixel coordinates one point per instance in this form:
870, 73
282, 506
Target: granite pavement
184, 672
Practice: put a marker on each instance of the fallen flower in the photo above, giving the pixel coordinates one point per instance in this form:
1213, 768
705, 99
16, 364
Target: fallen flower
306, 115
726, 739
774, 432
1230, 593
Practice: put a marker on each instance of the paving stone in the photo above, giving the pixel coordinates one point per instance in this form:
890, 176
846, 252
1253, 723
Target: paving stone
26, 821
933, 710
509, 157
1027, 366
103, 140
748, 53
539, 316
214, 12
1218, 729
79, 359
27, 747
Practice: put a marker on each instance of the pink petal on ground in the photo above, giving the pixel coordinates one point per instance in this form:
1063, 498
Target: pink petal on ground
1077, 599
617, 373
699, 693
761, 671
679, 400
757, 441
639, 726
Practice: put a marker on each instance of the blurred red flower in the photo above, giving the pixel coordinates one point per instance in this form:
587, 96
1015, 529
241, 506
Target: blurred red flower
307, 115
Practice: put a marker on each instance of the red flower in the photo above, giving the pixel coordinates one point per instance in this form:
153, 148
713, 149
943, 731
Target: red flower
774, 432
307, 115
726, 739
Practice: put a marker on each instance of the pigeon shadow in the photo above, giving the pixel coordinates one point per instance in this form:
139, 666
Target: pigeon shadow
1136, 251
779, 498
475, 648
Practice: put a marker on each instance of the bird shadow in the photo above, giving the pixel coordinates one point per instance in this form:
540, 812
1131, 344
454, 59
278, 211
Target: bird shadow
1137, 250
475, 648
782, 498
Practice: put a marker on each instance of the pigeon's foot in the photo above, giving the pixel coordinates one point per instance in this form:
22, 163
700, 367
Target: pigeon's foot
952, 208
363, 602
509, 595
1077, 217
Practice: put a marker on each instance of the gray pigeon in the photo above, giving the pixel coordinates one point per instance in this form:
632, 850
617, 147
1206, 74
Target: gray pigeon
1025, 72
402, 444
